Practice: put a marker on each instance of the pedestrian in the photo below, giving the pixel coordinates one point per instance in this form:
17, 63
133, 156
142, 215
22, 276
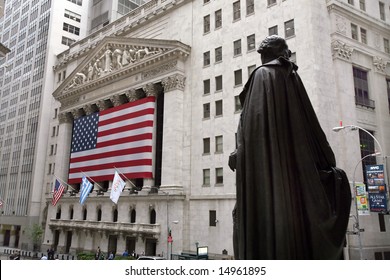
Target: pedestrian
98, 253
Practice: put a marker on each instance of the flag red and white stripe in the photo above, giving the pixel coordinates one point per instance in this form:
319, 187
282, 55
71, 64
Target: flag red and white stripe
118, 137
57, 193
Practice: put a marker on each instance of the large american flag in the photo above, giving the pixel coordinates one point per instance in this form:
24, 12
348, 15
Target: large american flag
119, 137
58, 191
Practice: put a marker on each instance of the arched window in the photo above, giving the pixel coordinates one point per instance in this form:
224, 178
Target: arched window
115, 215
152, 216
85, 214
133, 215
99, 214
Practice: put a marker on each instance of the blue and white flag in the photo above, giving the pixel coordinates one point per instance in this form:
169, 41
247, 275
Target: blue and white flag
86, 188
117, 187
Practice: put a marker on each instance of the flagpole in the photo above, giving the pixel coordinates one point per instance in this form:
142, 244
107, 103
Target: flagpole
69, 186
100, 187
125, 177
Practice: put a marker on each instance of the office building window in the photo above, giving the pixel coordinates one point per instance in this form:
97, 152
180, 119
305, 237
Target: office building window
362, 4
236, 10
289, 29
218, 108
218, 83
206, 110
206, 1
206, 58
71, 29
354, 31
386, 45
237, 104
367, 147
361, 88
73, 16
238, 77
251, 69
250, 7
273, 30
212, 218
206, 177
382, 11
219, 175
237, 47
206, 86
251, 42
77, 2
67, 41
206, 24
271, 2
219, 144
350, 2
218, 54
363, 35
218, 19
206, 145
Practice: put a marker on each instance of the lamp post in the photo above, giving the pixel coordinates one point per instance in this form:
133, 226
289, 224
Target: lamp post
355, 127
357, 224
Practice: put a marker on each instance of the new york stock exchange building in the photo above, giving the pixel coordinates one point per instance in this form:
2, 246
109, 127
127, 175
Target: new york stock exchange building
131, 100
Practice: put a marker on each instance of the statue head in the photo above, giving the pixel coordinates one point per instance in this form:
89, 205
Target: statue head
273, 47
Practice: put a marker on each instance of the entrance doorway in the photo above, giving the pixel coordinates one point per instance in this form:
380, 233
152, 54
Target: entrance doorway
150, 247
112, 243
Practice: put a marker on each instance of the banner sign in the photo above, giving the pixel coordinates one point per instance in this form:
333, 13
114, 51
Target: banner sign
378, 202
362, 200
375, 178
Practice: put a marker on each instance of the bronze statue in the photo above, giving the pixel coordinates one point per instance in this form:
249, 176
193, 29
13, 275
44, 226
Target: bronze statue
292, 200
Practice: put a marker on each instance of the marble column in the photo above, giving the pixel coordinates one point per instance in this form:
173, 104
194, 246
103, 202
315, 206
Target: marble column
64, 145
172, 155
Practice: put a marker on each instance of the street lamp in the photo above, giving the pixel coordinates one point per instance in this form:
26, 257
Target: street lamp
356, 204
355, 127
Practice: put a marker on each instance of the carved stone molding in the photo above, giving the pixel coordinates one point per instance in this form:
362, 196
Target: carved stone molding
77, 113
174, 82
116, 100
88, 109
70, 101
341, 25
379, 64
150, 89
102, 105
132, 95
159, 70
341, 50
65, 118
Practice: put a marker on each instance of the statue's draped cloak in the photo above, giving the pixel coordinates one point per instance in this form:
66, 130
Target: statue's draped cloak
292, 202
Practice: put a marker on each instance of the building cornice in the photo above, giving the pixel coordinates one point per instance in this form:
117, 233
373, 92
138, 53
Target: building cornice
132, 21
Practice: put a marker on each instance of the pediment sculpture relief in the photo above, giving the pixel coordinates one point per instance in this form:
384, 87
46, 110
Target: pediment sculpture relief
111, 60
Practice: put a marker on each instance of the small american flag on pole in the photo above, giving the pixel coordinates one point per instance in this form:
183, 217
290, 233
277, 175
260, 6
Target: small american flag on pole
117, 137
58, 191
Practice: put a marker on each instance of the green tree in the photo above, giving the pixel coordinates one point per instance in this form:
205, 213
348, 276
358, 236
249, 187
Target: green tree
35, 233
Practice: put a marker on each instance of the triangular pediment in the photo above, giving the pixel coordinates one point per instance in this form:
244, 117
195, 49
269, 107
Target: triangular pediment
115, 57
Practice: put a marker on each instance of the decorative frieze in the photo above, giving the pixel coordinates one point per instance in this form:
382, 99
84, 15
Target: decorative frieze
174, 82
341, 50
159, 70
341, 25
112, 58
